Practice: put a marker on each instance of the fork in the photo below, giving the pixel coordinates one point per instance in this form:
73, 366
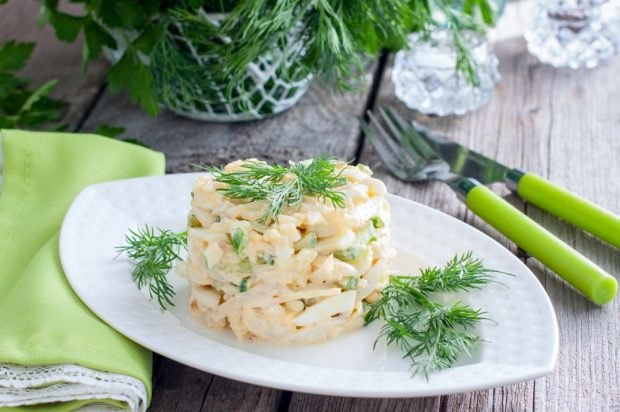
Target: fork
409, 158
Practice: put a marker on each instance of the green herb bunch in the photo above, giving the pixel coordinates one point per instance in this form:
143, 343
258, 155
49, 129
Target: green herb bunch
280, 185
158, 40
21, 107
432, 335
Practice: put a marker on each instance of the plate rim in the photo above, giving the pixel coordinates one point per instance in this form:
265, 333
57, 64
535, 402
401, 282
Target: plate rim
533, 372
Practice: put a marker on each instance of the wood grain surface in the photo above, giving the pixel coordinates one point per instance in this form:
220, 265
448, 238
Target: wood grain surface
561, 124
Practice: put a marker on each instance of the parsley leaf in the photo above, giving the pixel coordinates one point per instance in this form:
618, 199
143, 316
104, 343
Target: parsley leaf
66, 26
19, 106
149, 38
136, 142
132, 74
95, 38
115, 132
13, 55
37, 96
127, 14
109, 131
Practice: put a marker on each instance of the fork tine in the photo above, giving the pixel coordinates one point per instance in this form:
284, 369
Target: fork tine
402, 165
398, 130
388, 139
413, 137
395, 130
398, 120
391, 157
387, 136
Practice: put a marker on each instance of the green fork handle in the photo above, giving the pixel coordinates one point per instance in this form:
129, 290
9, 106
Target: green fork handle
566, 205
569, 264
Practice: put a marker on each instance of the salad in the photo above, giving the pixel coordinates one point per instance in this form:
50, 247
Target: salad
301, 276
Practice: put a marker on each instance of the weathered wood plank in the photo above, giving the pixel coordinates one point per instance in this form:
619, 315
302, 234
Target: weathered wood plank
316, 403
53, 59
579, 150
178, 388
322, 123
229, 395
558, 124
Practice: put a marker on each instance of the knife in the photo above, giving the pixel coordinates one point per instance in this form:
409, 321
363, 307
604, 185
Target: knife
529, 186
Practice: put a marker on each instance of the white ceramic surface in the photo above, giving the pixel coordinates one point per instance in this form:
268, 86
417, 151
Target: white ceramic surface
522, 345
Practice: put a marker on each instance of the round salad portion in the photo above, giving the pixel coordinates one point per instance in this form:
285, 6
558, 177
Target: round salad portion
295, 273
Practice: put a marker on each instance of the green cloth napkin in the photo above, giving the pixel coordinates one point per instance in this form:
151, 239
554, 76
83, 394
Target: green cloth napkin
42, 321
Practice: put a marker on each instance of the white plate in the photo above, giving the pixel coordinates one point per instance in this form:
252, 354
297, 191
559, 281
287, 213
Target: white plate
522, 345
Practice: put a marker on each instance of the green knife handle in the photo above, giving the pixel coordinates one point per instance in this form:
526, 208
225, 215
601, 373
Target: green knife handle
568, 206
584, 275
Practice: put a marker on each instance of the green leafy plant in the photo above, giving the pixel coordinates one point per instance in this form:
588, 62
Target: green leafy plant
432, 335
21, 107
116, 132
155, 62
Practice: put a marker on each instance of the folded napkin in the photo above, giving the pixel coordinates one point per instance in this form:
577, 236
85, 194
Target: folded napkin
54, 353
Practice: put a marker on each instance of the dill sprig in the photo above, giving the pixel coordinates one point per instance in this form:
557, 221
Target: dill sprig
154, 251
280, 185
430, 334
461, 273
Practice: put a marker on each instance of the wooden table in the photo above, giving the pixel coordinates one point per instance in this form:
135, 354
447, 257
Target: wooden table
561, 124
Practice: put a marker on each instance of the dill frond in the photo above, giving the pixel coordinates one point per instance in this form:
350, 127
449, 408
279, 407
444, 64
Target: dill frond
461, 273
281, 186
431, 335
154, 251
